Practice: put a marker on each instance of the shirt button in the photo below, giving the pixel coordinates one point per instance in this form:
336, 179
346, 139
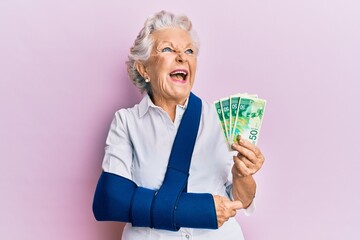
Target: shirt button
187, 236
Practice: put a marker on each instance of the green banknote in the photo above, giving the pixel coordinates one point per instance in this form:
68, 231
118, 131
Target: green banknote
247, 95
234, 103
221, 118
249, 119
240, 114
226, 110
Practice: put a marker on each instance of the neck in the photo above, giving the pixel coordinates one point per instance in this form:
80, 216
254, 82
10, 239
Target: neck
168, 105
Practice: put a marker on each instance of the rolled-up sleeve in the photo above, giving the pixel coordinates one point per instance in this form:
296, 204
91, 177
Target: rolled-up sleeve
118, 151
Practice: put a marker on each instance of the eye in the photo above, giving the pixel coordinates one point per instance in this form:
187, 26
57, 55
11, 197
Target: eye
189, 51
167, 49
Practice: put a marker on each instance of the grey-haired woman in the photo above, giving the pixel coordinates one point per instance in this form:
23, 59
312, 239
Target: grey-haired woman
162, 63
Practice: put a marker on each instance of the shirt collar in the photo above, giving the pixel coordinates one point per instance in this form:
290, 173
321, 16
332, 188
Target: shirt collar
146, 103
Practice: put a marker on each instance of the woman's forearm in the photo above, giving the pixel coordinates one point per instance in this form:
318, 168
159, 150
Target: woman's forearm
244, 189
119, 199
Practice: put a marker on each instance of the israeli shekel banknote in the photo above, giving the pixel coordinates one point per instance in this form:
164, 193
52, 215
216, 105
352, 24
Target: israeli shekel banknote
240, 114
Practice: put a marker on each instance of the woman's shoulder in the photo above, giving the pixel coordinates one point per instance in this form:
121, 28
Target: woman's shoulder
127, 111
132, 112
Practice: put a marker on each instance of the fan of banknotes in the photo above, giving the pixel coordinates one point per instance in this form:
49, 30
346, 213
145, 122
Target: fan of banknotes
240, 114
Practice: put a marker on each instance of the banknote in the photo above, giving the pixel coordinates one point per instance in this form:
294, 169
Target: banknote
246, 95
234, 103
241, 114
249, 119
225, 107
221, 118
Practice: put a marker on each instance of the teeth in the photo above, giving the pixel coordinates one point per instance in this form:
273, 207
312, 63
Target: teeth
179, 72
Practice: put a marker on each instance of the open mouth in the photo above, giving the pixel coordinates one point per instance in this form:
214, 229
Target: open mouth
179, 75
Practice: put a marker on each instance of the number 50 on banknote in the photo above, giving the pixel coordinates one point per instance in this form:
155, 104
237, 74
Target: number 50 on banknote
240, 114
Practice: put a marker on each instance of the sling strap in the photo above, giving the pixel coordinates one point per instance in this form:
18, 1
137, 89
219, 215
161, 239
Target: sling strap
177, 173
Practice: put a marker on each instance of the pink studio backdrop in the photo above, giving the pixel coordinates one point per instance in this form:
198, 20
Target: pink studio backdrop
62, 77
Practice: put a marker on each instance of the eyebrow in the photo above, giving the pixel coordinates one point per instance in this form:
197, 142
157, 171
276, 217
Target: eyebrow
170, 43
164, 42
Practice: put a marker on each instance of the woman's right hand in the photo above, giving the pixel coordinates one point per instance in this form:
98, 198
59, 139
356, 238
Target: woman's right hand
225, 208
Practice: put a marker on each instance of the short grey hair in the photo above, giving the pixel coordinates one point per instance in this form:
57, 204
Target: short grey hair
143, 44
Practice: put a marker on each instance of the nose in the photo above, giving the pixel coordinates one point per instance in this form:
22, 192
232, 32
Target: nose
180, 57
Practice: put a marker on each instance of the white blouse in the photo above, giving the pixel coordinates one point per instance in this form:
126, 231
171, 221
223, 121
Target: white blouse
138, 147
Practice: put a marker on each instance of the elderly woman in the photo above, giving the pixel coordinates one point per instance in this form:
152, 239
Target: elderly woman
167, 171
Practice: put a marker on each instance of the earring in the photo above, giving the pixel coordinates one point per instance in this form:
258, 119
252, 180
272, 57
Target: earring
147, 80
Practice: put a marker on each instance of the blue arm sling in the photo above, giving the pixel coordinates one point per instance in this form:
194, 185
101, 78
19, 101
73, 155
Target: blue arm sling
171, 207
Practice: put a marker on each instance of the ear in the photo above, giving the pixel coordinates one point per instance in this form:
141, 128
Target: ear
140, 67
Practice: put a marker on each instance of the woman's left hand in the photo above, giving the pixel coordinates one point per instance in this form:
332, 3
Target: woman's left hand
248, 160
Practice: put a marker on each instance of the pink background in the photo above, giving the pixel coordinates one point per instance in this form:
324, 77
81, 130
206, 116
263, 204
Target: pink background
62, 77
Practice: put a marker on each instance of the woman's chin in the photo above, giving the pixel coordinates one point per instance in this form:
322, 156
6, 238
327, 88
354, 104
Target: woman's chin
180, 95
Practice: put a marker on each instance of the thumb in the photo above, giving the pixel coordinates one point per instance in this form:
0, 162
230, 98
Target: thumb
236, 205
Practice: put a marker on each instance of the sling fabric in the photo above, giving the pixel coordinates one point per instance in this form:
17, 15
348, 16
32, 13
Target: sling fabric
114, 201
178, 167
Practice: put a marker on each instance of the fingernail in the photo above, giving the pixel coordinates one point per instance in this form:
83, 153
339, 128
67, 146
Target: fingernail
240, 139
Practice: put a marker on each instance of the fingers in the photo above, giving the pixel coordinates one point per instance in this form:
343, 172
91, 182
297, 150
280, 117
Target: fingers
250, 156
240, 169
236, 205
248, 147
225, 208
244, 149
246, 161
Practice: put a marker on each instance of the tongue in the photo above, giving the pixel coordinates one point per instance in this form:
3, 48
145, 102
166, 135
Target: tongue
176, 77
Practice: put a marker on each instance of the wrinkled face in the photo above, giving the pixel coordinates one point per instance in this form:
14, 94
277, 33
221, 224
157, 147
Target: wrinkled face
172, 65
